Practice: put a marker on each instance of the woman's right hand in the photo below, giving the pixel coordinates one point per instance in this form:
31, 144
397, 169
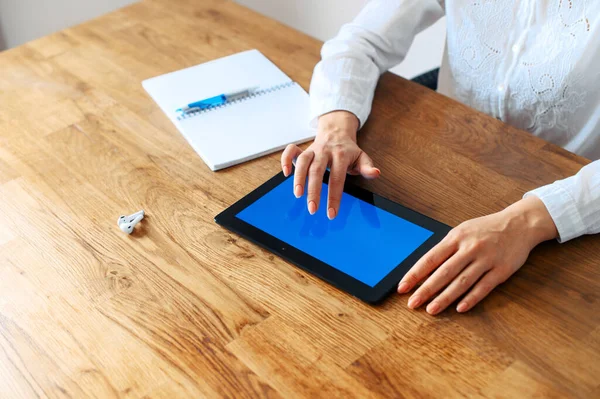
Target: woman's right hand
334, 147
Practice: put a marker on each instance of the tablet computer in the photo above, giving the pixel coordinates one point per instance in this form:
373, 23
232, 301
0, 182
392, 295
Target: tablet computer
365, 250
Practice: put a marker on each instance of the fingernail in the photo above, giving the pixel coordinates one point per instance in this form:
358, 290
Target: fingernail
298, 191
312, 207
433, 308
286, 170
402, 287
414, 302
462, 307
331, 213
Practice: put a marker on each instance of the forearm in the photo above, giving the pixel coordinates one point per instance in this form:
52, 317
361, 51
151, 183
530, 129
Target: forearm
337, 124
535, 220
376, 40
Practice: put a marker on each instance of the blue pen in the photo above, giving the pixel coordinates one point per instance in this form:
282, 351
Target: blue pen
216, 100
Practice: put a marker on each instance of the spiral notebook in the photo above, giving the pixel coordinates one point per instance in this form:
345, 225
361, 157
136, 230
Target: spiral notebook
263, 122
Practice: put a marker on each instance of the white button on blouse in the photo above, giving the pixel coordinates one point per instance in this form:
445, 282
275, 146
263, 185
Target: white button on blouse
549, 84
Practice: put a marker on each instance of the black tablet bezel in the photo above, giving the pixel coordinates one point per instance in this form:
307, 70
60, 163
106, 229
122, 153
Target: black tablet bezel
341, 280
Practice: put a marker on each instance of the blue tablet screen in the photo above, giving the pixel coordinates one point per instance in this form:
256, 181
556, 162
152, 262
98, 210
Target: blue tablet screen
363, 241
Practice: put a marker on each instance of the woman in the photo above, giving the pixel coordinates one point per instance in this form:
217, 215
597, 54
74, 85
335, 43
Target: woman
531, 63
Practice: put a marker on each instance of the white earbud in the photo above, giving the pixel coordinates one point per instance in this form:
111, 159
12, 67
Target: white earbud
127, 223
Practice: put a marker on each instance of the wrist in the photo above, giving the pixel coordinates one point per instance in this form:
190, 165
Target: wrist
535, 219
338, 123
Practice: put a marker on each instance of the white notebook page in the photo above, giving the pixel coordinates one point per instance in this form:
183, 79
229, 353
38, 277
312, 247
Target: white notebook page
251, 128
226, 136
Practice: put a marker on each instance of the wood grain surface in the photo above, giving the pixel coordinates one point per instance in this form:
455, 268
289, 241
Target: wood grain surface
183, 308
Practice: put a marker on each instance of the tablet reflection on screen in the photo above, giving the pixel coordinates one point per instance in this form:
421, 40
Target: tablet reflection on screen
317, 226
363, 241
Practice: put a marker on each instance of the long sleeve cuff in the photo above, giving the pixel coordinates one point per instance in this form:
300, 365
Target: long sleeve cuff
342, 84
563, 210
323, 105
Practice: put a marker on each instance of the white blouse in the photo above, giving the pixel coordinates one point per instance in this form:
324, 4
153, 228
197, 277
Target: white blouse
534, 64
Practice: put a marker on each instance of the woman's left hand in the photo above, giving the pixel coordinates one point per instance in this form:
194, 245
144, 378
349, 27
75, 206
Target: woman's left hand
478, 255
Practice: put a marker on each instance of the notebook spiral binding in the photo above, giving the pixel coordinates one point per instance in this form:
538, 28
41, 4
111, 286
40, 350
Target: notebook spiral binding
257, 93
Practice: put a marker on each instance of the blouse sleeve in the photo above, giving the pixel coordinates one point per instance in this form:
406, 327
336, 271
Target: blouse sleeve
574, 202
377, 39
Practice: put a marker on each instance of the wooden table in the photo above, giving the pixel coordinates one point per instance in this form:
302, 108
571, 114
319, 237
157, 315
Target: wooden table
185, 308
